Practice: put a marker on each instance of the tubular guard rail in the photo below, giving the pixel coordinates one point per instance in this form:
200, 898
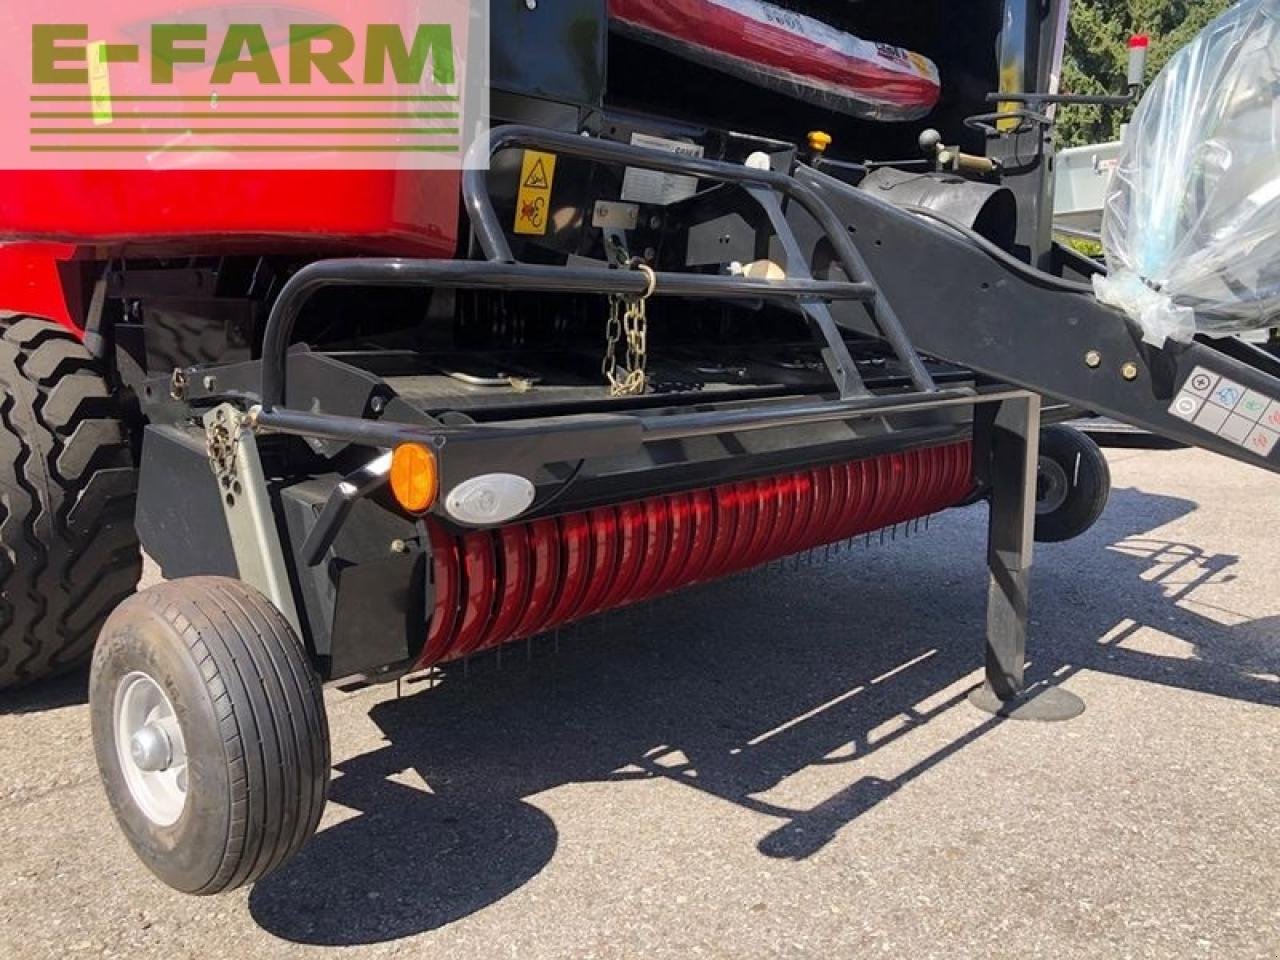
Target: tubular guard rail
493, 586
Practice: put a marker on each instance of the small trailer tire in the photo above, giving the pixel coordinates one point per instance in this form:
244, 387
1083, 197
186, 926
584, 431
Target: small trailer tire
1072, 484
209, 728
68, 550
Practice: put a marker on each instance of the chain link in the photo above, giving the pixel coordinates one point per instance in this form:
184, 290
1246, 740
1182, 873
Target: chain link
628, 321
223, 440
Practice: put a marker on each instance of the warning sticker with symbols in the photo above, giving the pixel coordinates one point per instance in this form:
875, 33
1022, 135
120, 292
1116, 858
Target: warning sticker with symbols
1229, 410
533, 201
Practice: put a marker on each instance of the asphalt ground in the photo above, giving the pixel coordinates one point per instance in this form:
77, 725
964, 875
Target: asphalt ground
780, 765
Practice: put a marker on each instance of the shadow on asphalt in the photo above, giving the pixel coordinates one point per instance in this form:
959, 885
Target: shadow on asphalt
67, 690
731, 689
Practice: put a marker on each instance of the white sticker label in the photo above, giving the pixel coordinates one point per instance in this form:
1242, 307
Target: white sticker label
649, 186
1236, 429
1211, 418
1245, 417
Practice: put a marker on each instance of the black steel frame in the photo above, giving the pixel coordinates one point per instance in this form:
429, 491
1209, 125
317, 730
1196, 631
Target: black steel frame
524, 446
1033, 337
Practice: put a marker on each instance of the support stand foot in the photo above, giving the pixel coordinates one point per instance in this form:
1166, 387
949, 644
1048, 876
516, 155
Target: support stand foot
1040, 703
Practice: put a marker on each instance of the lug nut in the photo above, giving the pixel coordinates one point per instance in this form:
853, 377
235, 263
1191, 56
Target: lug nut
1129, 371
1093, 359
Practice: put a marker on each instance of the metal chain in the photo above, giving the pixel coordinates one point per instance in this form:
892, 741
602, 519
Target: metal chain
629, 320
223, 440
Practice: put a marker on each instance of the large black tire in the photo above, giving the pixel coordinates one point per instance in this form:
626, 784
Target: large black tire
244, 709
1073, 484
68, 550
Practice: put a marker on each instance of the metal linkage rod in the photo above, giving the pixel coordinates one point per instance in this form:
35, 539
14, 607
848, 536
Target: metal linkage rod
472, 274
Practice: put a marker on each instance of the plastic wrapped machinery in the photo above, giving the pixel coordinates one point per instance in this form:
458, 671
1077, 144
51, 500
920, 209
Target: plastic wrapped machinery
1191, 225
787, 51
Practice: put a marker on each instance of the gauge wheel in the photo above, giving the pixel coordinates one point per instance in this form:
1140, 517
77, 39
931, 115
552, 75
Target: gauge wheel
209, 729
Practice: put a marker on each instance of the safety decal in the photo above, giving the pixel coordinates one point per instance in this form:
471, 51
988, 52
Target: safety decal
1223, 407
533, 202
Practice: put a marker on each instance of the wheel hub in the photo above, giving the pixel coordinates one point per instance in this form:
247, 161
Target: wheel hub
151, 749
1052, 486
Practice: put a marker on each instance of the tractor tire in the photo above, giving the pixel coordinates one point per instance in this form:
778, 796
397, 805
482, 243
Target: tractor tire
1072, 484
209, 729
68, 550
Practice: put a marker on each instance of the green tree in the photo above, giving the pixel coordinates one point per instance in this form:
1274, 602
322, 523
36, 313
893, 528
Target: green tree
1097, 55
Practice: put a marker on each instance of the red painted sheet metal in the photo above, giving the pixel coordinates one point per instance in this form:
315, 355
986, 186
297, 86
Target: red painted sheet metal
749, 509
495, 586
515, 578
34, 278
703, 512
447, 581
631, 554
544, 544
656, 530
480, 583
176, 212
575, 567
680, 538
767, 513
605, 549
726, 522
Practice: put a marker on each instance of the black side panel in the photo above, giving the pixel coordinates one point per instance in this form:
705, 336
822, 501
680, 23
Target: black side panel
555, 50
365, 604
180, 519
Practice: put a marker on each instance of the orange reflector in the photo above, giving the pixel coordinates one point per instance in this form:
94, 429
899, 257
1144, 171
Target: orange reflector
414, 479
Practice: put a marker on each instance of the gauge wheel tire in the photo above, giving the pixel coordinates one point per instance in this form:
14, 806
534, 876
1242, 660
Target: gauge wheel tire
209, 729
1073, 483
68, 550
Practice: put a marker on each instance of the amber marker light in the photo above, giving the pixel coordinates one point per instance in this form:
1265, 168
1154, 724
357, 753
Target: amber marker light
414, 477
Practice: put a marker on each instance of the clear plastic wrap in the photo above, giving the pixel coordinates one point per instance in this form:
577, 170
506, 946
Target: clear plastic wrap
782, 50
1191, 225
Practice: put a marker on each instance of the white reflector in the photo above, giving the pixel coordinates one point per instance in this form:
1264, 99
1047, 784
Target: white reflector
489, 499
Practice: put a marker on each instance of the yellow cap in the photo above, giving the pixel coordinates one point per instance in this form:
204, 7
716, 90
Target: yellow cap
819, 140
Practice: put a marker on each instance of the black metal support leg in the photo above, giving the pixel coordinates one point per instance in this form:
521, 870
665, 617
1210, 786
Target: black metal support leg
1007, 438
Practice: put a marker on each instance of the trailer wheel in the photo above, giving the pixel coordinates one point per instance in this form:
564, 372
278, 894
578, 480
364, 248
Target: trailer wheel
1072, 484
68, 550
209, 728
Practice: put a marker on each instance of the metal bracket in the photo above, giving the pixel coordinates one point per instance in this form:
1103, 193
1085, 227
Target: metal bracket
1007, 438
835, 353
246, 504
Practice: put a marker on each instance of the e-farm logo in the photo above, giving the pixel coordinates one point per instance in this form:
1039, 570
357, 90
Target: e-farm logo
253, 86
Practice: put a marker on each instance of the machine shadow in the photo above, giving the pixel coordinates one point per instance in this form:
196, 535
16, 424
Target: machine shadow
67, 690
818, 666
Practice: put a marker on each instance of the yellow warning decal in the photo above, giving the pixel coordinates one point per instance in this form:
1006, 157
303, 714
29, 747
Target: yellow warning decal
533, 204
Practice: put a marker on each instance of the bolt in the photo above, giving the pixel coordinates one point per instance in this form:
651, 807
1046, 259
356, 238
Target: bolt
531, 4
1129, 371
378, 404
1093, 359
399, 546
210, 382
